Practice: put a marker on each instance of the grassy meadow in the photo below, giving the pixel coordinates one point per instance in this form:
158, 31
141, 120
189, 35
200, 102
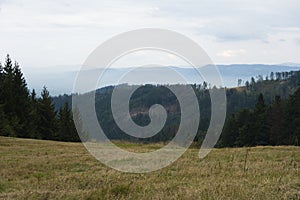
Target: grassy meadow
35, 169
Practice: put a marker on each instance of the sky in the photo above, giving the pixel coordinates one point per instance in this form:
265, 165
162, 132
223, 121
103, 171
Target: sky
53, 35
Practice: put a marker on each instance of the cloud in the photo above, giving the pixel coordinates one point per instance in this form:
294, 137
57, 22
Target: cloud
1, 3
297, 41
234, 20
231, 53
65, 31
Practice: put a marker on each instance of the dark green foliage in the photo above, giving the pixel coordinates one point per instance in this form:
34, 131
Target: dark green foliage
292, 119
276, 121
47, 121
14, 98
1, 84
5, 128
260, 124
22, 114
34, 117
277, 124
261, 113
250, 125
230, 133
22, 108
66, 126
245, 128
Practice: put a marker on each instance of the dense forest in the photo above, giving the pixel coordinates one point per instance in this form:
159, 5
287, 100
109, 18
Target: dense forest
22, 114
266, 111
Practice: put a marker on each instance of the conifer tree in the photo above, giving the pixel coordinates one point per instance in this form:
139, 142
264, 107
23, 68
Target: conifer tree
260, 122
33, 122
21, 100
276, 122
67, 130
292, 120
47, 122
7, 85
230, 132
1, 84
245, 128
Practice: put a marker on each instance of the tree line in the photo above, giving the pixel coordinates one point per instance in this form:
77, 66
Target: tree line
23, 114
238, 99
275, 124
264, 112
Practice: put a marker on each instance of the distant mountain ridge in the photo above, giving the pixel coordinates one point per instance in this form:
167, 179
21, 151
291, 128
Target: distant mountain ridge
62, 82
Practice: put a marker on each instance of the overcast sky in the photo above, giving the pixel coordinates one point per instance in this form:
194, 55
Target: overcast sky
48, 33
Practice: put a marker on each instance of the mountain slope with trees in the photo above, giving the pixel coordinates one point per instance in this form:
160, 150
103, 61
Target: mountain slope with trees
263, 112
255, 99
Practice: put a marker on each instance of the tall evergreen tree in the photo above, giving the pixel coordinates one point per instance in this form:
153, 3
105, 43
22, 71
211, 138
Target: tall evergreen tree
47, 122
67, 130
272, 76
245, 128
229, 133
276, 122
21, 100
8, 88
1, 84
253, 83
292, 119
260, 122
34, 121
14, 98
5, 128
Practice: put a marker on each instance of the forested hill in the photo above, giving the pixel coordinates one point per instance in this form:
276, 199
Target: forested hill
278, 83
251, 110
276, 87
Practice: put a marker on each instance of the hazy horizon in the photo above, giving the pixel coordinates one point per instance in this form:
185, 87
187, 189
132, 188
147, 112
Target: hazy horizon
50, 39
43, 34
61, 81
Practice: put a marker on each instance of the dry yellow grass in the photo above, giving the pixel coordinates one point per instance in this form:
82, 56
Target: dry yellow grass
34, 169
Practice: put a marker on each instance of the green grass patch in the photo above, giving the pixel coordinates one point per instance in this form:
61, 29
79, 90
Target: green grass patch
2, 187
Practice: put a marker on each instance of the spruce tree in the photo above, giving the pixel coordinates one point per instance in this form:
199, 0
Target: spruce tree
245, 128
1, 84
229, 133
276, 123
292, 119
9, 97
47, 122
8, 88
261, 126
33, 123
67, 130
22, 101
